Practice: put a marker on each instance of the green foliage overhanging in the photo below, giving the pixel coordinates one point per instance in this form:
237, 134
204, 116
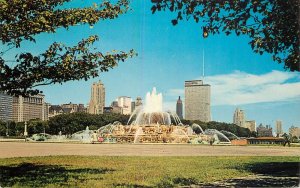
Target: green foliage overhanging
22, 20
272, 26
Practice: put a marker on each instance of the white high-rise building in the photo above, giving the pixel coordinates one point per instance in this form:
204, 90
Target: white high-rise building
279, 130
125, 103
197, 101
97, 101
239, 117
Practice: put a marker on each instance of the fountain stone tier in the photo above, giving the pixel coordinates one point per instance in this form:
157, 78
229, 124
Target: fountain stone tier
153, 133
150, 124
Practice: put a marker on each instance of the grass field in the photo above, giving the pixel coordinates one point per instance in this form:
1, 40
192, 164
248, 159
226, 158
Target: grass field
75, 171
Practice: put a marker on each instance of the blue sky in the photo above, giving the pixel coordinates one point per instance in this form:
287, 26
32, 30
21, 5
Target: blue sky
169, 55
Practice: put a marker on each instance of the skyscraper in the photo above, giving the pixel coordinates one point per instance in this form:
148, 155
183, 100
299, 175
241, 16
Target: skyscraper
125, 103
27, 108
239, 117
132, 106
179, 108
279, 127
5, 107
97, 101
197, 101
138, 102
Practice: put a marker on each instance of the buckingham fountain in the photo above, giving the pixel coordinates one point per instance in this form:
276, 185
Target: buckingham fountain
150, 124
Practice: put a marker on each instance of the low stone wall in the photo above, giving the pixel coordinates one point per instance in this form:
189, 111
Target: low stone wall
11, 140
241, 142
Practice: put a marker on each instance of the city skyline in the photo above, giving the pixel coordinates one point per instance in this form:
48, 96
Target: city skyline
170, 55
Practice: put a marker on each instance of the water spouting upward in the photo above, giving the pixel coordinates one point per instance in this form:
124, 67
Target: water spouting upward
197, 128
230, 135
150, 124
86, 137
152, 112
153, 102
137, 135
218, 134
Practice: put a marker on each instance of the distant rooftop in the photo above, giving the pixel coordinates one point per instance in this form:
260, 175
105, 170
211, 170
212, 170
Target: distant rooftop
265, 138
195, 83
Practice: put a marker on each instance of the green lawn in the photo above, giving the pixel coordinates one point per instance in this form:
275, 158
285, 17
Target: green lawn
76, 171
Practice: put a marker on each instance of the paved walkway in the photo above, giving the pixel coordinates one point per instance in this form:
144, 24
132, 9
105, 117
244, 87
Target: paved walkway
22, 149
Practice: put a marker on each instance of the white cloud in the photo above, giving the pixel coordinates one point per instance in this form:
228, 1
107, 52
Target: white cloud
243, 88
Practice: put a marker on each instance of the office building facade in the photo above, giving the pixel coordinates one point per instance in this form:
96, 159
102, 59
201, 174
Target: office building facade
294, 131
239, 117
125, 103
97, 101
6, 111
132, 106
197, 101
279, 130
179, 107
251, 125
28, 108
138, 102
264, 131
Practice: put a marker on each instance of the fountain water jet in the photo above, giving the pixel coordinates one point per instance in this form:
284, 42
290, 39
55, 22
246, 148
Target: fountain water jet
152, 112
150, 124
137, 135
230, 135
197, 128
219, 137
83, 136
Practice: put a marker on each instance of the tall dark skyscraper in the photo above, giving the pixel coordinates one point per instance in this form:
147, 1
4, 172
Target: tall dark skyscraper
179, 108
